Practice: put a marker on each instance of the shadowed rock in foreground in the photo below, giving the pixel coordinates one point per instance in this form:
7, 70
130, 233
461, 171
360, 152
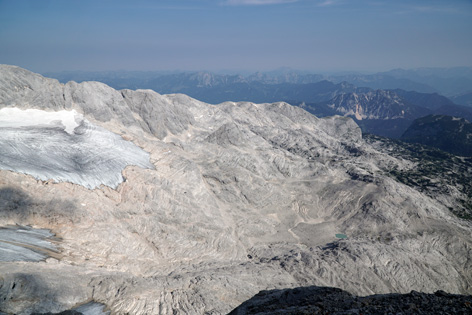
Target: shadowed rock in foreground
326, 300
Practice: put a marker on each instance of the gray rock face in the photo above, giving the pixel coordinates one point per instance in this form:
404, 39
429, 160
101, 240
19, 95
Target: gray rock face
379, 104
242, 197
158, 115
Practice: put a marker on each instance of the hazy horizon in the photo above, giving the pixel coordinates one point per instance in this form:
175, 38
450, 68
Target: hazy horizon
235, 36
246, 72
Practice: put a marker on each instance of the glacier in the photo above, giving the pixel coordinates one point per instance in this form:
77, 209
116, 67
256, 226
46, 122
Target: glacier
64, 147
24, 243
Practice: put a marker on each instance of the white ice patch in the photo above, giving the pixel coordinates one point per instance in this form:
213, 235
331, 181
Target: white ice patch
14, 117
23, 243
64, 147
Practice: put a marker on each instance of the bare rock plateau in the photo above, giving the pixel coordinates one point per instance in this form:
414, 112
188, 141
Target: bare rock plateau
143, 203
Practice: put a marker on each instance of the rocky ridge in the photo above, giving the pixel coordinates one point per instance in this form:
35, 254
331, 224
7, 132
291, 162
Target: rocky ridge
243, 197
378, 104
450, 134
325, 300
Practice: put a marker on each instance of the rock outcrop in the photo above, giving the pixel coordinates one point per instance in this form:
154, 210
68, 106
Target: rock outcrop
325, 300
379, 104
240, 198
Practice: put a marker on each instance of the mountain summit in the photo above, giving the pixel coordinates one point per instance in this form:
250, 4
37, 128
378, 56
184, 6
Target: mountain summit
215, 203
379, 104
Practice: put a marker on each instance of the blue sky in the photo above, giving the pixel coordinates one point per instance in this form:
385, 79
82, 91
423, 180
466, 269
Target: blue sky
314, 35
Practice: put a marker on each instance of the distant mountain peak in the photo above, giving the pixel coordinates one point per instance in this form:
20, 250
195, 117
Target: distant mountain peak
377, 104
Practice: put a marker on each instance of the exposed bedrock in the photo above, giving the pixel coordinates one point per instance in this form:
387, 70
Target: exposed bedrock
238, 198
326, 300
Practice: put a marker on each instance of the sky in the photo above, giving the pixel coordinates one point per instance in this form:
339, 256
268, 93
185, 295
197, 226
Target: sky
237, 35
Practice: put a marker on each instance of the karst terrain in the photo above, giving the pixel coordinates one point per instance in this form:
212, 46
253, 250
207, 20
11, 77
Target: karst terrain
162, 204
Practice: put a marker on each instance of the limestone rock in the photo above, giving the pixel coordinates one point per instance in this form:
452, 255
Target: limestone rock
241, 198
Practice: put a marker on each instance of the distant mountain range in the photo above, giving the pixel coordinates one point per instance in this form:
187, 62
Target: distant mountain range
380, 112
464, 99
388, 112
217, 88
450, 134
384, 103
447, 81
450, 82
375, 104
384, 81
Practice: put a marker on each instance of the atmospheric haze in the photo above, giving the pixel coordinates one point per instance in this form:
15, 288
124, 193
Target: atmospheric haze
315, 35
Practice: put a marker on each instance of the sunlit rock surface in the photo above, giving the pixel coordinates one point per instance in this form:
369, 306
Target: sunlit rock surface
240, 198
64, 147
